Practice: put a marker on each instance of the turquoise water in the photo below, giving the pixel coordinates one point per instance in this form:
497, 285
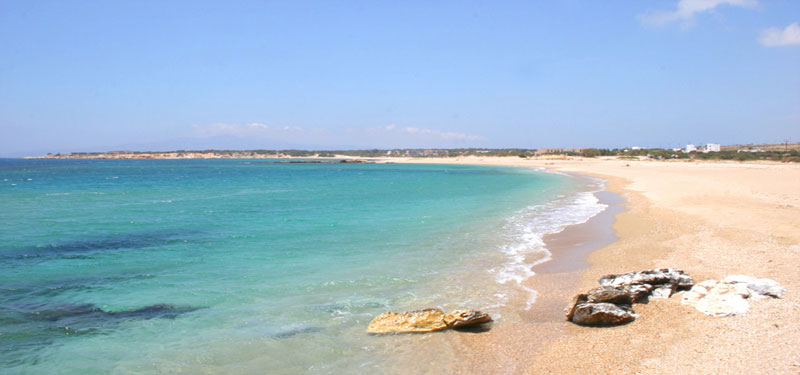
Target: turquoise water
253, 266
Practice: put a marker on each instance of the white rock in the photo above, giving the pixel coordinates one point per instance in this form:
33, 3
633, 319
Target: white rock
717, 298
733, 279
759, 288
727, 297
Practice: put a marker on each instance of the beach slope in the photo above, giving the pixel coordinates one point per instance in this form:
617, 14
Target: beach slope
712, 219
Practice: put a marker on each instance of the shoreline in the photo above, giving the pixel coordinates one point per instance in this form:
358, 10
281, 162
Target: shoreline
554, 280
711, 219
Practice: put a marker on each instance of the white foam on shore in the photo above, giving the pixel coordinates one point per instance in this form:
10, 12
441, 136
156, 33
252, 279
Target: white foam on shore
527, 228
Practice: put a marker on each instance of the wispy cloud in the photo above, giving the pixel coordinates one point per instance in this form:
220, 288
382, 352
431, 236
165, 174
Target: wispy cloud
450, 136
376, 136
685, 11
240, 130
775, 37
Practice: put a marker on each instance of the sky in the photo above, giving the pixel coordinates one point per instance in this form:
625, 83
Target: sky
164, 75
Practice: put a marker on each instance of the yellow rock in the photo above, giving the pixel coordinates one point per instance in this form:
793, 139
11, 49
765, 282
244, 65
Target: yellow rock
427, 320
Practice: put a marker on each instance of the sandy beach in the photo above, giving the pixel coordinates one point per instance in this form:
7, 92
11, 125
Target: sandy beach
712, 219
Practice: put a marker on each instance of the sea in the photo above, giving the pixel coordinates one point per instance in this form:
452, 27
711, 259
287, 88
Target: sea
263, 266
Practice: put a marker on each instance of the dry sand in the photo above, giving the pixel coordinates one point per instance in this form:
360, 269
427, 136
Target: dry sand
711, 219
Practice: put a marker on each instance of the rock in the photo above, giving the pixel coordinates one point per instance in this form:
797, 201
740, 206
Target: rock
577, 300
610, 304
465, 318
603, 306
728, 297
639, 292
664, 290
426, 320
652, 277
602, 314
617, 296
760, 288
715, 298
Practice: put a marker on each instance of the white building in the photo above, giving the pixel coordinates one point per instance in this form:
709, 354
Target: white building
636, 148
712, 147
690, 148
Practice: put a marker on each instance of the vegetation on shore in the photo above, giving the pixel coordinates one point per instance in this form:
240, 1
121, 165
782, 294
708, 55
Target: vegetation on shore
788, 154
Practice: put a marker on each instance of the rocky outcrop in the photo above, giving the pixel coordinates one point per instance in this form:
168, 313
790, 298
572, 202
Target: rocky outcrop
611, 303
662, 282
728, 297
426, 320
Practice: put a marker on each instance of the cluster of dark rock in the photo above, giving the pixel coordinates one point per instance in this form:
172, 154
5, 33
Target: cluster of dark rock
612, 302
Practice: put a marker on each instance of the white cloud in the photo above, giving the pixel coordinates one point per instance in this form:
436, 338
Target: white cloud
686, 9
775, 37
443, 135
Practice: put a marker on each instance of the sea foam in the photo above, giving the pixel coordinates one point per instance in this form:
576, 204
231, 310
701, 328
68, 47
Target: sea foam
526, 230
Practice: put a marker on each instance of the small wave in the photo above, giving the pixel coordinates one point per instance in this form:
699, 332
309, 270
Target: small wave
55, 194
528, 227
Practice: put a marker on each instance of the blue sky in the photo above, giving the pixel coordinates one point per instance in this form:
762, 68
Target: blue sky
160, 75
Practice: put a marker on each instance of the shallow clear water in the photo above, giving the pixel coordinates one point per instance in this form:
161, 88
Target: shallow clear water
253, 266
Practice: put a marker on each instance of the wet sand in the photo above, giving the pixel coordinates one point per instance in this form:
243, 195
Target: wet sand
553, 281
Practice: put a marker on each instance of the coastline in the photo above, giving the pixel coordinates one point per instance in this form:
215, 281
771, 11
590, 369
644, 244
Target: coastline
712, 219
555, 280
465, 352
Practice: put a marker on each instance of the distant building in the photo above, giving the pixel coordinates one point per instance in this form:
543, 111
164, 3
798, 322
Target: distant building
712, 147
634, 148
544, 151
690, 148
677, 149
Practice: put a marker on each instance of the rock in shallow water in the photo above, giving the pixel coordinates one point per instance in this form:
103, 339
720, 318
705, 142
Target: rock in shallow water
426, 320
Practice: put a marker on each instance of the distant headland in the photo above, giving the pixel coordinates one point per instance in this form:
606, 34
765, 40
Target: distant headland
777, 152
